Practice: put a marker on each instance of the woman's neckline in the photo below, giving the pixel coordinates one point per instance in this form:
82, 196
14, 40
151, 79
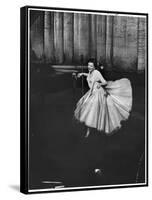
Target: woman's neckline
91, 72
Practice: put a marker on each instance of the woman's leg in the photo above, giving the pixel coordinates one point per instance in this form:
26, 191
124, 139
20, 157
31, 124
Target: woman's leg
88, 132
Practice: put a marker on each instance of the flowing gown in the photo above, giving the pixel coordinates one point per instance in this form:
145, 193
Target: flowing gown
104, 107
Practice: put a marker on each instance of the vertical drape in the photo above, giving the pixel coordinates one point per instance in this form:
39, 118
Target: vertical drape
83, 37
58, 37
68, 37
76, 32
37, 35
109, 41
93, 37
141, 44
131, 43
101, 38
49, 37
119, 42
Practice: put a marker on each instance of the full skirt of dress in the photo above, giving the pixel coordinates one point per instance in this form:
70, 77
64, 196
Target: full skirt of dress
105, 107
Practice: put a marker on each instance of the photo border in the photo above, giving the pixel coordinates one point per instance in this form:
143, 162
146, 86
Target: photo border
25, 96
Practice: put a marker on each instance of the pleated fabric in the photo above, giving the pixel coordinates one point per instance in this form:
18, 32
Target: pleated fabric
106, 107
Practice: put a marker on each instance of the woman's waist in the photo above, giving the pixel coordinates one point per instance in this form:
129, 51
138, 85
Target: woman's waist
97, 87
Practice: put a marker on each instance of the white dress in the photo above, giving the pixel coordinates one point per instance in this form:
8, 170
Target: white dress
103, 108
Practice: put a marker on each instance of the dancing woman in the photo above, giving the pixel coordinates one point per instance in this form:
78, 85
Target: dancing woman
106, 104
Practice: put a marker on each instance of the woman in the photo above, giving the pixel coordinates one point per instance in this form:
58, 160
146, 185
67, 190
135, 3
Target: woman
106, 104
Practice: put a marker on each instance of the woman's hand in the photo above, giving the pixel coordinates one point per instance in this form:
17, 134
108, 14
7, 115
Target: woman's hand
99, 85
106, 93
79, 75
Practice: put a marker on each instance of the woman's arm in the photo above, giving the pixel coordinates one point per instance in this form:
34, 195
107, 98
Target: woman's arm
102, 80
98, 79
103, 83
82, 74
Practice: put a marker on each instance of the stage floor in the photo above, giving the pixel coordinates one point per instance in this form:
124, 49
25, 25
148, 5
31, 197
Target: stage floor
59, 152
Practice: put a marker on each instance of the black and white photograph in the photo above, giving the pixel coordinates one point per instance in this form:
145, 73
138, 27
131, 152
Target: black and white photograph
84, 88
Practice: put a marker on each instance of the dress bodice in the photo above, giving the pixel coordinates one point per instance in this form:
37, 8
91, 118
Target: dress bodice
95, 76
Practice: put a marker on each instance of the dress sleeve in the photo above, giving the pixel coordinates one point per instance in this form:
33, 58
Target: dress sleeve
98, 77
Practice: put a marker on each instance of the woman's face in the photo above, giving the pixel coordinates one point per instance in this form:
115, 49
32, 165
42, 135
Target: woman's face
91, 66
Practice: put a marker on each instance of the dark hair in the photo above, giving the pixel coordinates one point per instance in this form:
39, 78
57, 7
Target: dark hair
93, 60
